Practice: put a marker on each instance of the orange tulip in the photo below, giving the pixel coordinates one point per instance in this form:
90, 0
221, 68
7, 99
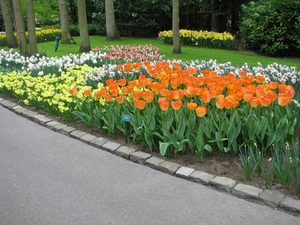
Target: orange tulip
191, 92
140, 104
289, 91
174, 83
254, 102
271, 95
201, 111
122, 82
120, 99
265, 101
148, 96
164, 105
136, 95
205, 97
104, 91
283, 100
97, 94
175, 95
126, 90
108, 97
206, 72
73, 91
242, 73
191, 105
109, 81
260, 79
114, 92
176, 105
164, 92
127, 67
220, 101
119, 67
87, 92
272, 85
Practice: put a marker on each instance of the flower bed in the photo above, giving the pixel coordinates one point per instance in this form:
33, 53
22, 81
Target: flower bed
41, 36
173, 107
207, 39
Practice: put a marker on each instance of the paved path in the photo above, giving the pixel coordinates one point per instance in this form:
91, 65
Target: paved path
49, 178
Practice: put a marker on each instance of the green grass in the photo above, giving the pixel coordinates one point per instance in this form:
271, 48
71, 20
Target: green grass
189, 53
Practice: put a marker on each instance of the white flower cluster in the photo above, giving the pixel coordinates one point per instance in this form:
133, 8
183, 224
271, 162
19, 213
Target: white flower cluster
105, 67
41, 65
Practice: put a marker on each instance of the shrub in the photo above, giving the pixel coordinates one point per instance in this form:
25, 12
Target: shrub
271, 26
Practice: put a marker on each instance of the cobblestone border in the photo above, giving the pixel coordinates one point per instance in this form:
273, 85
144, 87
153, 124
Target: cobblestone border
267, 197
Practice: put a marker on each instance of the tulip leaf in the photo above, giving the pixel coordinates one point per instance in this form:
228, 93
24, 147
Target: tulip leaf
163, 148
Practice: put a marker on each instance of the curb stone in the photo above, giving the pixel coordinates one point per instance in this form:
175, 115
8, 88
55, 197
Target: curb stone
272, 198
246, 191
19, 109
67, 130
87, 138
202, 177
291, 205
154, 162
77, 133
184, 172
29, 114
139, 157
223, 183
110, 146
8, 104
169, 167
125, 152
267, 197
98, 142
51, 124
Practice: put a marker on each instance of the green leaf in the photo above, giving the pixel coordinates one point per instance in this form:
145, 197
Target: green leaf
271, 139
163, 148
208, 148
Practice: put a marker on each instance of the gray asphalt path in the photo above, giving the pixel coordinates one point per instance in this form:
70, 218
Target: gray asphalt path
49, 178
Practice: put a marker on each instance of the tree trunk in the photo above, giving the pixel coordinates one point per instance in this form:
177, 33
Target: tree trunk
175, 27
9, 29
83, 27
66, 37
22, 43
31, 27
112, 33
11, 4
215, 17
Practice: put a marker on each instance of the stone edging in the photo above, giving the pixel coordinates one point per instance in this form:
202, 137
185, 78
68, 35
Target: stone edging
271, 198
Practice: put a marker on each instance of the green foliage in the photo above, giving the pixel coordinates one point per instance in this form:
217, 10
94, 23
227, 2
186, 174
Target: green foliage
271, 26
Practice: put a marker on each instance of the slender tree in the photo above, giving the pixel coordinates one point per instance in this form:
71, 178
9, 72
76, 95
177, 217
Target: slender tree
22, 43
83, 27
66, 37
31, 27
8, 24
112, 33
175, 27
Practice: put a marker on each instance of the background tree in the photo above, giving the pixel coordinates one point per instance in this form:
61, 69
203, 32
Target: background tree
272, 26
66, 37
83, 27
8, 24
20, 28
175, 28
31, 27
112, 33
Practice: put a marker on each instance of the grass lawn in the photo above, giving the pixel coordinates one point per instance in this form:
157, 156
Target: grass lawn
189, 53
